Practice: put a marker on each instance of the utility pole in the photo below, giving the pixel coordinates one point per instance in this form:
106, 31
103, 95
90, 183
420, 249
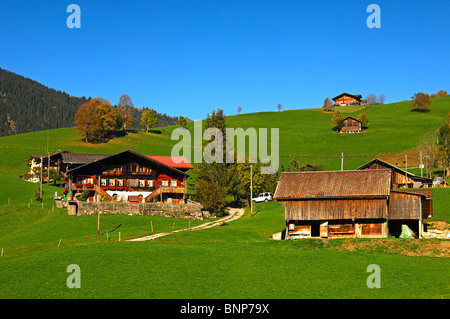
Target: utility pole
48, 168
342, 161
251, 190
406, 165
40, 181
421, 165
48, 161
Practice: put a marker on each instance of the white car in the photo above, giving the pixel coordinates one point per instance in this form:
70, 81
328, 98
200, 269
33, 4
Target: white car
263, 197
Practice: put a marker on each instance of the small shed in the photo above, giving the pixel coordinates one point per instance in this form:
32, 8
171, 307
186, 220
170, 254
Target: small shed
351, 125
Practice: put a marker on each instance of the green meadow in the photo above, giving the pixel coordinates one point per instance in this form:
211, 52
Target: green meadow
238, 260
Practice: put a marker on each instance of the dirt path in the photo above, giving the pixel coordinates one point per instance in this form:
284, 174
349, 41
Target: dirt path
234, 213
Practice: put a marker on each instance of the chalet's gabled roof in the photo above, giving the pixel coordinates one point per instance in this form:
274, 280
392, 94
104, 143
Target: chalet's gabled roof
387, 165
38, 156
333, 184
136, 155
350, 117
357, 97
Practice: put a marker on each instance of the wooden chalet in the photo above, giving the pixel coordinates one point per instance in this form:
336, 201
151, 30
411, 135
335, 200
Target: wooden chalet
356, 203
347, 99
351, 125
128, 176
400, 178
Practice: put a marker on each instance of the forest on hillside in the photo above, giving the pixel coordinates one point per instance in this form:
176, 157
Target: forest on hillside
27, 106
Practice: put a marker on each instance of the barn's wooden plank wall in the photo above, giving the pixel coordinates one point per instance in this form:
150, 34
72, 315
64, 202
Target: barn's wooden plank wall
329, 209
405, 206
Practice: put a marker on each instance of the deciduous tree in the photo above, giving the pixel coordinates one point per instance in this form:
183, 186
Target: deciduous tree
182, 121
444, 143
327, 105
363, 119
148, 119
421, 102
337, 120
371, 99
88, 121
294, 166
125, 106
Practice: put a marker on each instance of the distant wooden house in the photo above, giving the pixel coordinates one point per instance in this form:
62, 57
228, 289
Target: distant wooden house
347, 99
348, 204
351, 125
400, 178
129, 176
62, 161
46, 160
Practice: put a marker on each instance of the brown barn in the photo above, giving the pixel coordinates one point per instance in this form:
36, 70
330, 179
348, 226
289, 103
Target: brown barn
348, 204
347, 99
400, 178
128, 176
351, 125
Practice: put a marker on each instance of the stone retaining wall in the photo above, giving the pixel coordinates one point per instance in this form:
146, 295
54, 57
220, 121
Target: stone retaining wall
186, 211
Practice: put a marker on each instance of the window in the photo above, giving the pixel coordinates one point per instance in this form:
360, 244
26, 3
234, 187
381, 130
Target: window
173, 183
112, 182
142, 183
141, 169
133, 168
88, 181
165, 182
149, 183
132, 182
103, 182
120, 182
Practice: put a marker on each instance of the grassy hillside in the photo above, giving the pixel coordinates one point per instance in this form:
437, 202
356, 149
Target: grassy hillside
307, 134
233, 261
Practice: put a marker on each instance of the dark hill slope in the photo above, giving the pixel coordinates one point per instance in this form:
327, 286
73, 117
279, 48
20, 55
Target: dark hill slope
27, 106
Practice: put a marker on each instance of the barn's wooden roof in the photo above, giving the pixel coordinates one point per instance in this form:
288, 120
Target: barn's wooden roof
334, 184
350, 117
38, 156
395, 168
82, 158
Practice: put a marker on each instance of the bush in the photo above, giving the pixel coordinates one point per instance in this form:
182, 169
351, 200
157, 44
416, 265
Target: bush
84, 196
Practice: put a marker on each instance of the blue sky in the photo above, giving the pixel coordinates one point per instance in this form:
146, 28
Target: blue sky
191, 57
